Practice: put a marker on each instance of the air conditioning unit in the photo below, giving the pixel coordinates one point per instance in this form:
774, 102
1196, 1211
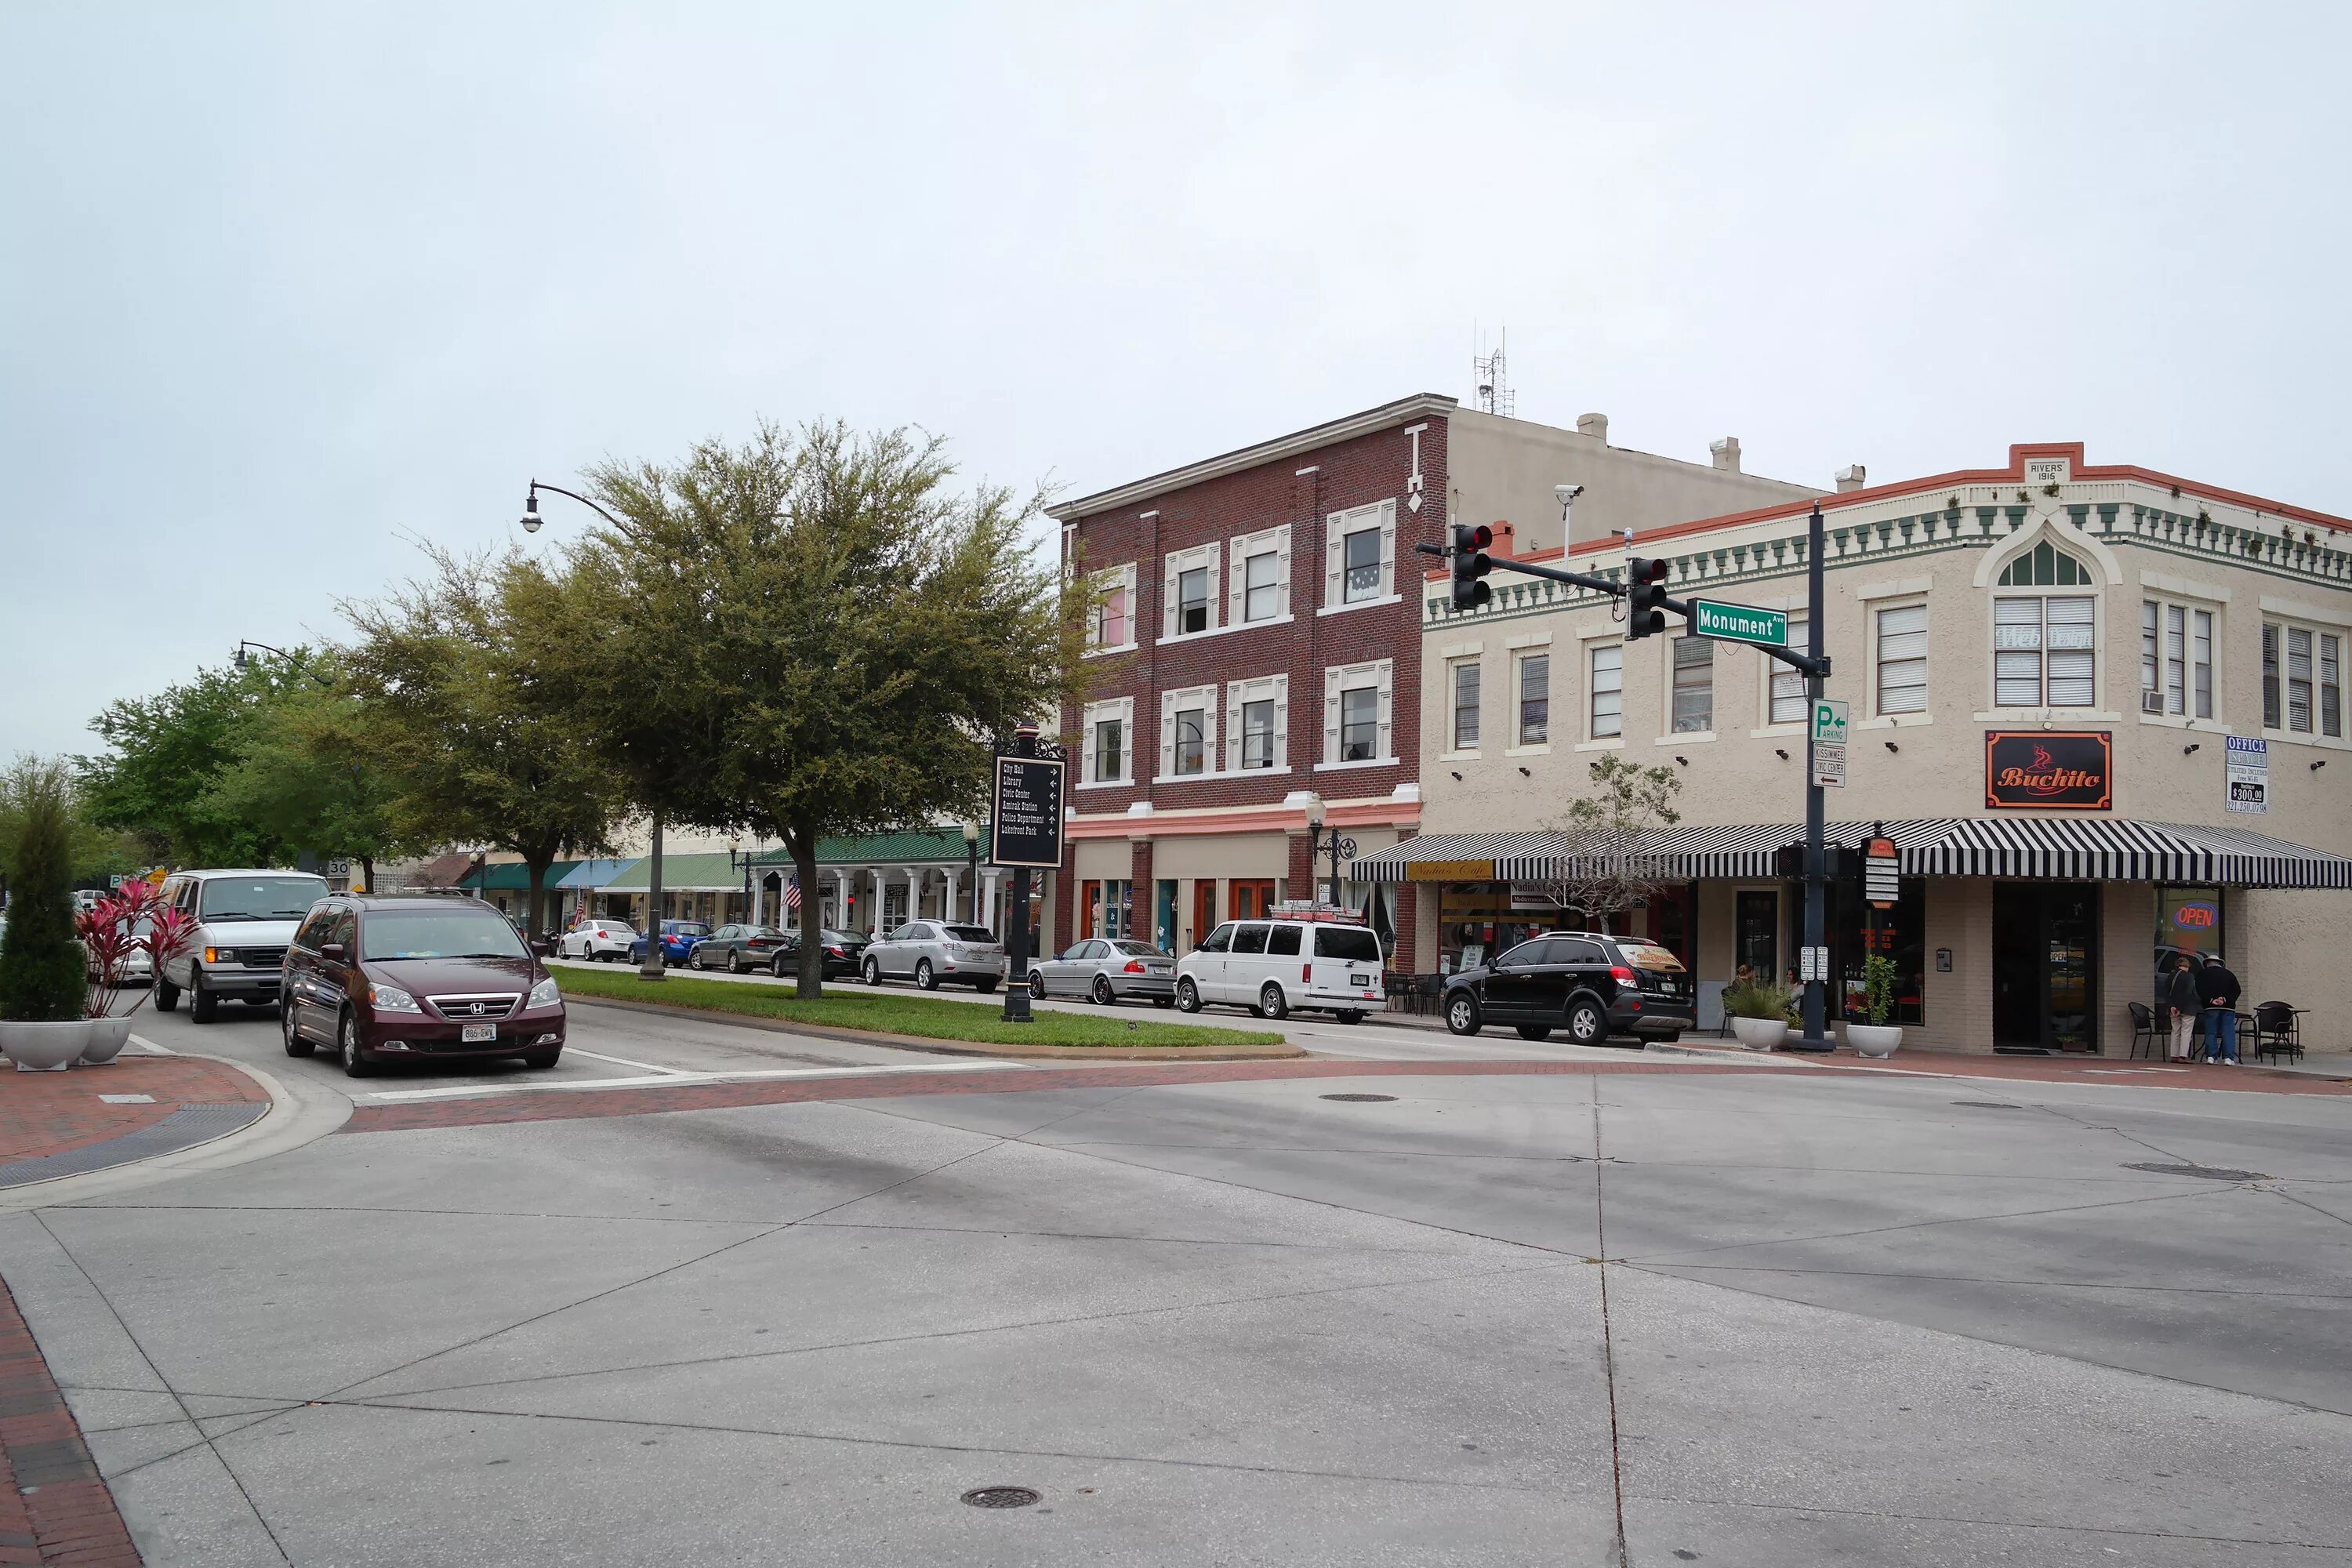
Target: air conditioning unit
2151, 702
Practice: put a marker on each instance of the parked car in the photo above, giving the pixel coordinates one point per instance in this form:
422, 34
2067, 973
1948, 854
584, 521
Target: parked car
1588, 985
417, 975
1106, 968
1277, 967
677, 940
241, 925
928, 952
844, 953
601, 942
737, 948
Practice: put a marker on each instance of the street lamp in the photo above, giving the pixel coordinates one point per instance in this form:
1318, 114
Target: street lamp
971, 864
244, 660
1318, 842
653, 968
742, 858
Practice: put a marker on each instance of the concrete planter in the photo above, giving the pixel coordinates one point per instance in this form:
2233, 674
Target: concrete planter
107, 1039
1761, 1033
1874, 1039
44, 1048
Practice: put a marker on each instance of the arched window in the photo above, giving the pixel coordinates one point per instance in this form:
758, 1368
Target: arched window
2045, 645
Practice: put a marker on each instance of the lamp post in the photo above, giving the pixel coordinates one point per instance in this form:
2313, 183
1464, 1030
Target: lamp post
971, 866
652, 968
742, 858
244, 660
1321, 843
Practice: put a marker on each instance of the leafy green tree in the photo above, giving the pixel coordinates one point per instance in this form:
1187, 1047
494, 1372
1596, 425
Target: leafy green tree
307, 776
94, 853
449, 674
167, 756
811, 633
1605, 838
44, 977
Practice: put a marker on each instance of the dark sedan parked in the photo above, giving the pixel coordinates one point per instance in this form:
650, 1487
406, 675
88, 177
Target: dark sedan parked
416, 976
1585, 983
737, 949
843, 952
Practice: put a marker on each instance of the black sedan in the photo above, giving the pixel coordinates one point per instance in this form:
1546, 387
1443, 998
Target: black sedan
1584, 983
844, 950
736, 948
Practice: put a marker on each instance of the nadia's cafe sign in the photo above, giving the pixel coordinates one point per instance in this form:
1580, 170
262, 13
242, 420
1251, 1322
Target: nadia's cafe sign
2049, 769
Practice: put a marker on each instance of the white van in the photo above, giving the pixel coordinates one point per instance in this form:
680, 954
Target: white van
1275, 967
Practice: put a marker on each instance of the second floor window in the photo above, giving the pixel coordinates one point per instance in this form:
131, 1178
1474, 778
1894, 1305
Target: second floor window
2176, 659
1903, 659
1608, 690
1535, 700
1193, 600
1110, 749
1191, 741
1261, 587
1466, 706
2044, 651
1257, 733
1694, 685
1359, 723
2303, 673
1114, 615
1788, 691
1361, 565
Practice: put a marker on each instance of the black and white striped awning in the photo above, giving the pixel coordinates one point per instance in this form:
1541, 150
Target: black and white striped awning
2072, 847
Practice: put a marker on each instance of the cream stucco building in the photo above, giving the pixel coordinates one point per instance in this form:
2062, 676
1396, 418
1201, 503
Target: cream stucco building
2045, 665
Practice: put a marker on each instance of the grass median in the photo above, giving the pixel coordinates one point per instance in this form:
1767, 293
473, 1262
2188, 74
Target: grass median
897, 1012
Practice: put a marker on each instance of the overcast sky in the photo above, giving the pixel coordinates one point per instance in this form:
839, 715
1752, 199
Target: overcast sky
283, 288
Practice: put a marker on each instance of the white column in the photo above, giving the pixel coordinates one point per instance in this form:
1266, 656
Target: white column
874, 916
759, 891
914, 891
951, 906
991, 915
841, 900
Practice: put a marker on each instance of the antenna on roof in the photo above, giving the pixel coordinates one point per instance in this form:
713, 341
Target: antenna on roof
1490, 375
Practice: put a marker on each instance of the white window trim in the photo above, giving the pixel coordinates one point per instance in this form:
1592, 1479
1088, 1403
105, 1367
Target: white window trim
1263, 687
1201, 557
1585, 707
1337, 526
2189, 605
1666, 730
1243, 546
1513, 745
1772, 667
1119, 708
1173, 701
1281, 620
1353, 767
2100, 652
1121, 576
1338, 677
1447, 705
1897, 601
2305, 618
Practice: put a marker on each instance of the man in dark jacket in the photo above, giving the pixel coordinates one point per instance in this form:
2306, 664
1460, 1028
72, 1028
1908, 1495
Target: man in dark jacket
2219, 990
2181, 996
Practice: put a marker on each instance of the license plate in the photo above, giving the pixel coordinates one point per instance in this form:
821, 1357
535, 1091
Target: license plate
468, 1033
1359, 980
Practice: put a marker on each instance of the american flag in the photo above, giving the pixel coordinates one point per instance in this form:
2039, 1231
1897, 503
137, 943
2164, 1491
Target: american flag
793, 896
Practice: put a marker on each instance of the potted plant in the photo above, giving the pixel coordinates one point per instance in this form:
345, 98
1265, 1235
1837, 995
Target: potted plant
1877, 1038
133, 921
44, 983
1758, 1012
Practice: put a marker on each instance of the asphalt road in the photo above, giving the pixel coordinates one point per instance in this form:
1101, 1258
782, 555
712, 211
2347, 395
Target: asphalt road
1843, 1318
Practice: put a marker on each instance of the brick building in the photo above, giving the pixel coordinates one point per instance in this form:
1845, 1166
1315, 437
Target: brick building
1259, 645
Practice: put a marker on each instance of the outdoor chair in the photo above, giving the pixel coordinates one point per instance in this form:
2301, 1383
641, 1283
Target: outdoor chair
2143, 1024
2276, 1031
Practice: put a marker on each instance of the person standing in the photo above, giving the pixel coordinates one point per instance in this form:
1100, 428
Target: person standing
2181, 996
2221, 990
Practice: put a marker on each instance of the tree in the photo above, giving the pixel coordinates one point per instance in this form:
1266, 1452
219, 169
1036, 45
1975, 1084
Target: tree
44, 977
307, 776
93, 852
169, 753
450, 675
1605, 840
811, 633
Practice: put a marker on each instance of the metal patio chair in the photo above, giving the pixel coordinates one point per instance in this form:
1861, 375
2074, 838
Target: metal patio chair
2143, 1024
2277, 1031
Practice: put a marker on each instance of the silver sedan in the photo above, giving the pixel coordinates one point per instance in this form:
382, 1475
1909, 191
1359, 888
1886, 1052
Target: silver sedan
1107, 970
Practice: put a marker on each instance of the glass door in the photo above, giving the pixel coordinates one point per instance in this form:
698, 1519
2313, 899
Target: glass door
2045, 959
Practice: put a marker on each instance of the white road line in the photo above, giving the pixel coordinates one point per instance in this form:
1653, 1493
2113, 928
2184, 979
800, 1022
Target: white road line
622, 1061
456, 1092
150, 1045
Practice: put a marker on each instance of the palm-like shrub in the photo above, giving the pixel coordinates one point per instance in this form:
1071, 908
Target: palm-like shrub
43, 973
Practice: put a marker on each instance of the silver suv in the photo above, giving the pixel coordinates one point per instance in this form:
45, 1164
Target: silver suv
241, 925
928, 952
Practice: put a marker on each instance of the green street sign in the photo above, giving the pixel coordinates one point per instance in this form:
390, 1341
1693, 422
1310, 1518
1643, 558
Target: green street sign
1739, 623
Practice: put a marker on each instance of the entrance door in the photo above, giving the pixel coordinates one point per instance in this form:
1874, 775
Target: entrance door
1253, 897
2045, 961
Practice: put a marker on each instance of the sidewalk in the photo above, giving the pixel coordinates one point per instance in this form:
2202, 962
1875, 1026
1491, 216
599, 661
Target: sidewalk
62, 1124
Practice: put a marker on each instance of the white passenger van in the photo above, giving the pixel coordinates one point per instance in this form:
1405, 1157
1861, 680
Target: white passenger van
1305, 958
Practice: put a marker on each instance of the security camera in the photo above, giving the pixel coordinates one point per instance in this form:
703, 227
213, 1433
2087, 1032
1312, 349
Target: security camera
1567, 493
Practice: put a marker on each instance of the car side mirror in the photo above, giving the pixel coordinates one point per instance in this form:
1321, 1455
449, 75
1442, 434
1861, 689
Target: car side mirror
330, 950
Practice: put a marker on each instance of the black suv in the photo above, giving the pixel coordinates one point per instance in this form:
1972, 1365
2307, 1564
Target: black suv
1587, 984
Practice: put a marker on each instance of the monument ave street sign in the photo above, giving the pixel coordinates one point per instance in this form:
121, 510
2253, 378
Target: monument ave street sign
1739, 623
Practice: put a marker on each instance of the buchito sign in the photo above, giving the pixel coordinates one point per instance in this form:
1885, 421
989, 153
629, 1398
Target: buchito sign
2049, 769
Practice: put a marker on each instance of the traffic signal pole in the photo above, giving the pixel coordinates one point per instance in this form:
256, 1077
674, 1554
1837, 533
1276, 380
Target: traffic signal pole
1646, 599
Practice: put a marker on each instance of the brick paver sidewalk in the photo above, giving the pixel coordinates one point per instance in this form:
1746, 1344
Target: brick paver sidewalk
54, 1507
50, 1112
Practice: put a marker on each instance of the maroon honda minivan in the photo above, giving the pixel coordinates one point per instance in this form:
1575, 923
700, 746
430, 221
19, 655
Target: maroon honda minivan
416, 976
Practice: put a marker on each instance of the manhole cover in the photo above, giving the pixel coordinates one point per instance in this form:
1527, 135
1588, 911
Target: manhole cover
1987, 1105
1360, 1097
2209, 1173
999, 1496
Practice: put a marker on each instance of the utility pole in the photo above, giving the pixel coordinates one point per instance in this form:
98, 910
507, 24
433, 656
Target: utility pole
1816, 668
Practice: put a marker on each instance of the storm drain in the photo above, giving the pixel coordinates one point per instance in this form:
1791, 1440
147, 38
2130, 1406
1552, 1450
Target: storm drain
1360, 1098
2209, 1173
185, 1128
999, 1496
1987, 1105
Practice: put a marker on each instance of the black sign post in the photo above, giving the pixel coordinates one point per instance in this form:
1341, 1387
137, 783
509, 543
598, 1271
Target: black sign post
1024, 821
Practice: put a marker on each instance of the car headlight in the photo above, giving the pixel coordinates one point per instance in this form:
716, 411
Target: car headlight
543, 994
392, 999
220, 955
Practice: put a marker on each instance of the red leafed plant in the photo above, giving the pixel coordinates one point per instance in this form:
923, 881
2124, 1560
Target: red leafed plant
134, 919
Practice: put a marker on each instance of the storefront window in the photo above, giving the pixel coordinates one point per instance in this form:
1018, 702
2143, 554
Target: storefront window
1899, 934
1475, 921
2188, 920
1758, 916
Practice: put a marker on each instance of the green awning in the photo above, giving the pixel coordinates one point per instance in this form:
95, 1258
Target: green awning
682, 874
512, 877
938, 846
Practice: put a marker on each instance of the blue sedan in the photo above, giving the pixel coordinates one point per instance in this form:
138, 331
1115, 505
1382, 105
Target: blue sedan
678, 939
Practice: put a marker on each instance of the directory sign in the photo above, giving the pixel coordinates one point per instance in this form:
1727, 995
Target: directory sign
1025, 815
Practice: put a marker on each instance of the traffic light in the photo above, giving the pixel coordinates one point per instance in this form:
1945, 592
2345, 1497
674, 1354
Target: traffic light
1645, 597
1471, 564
